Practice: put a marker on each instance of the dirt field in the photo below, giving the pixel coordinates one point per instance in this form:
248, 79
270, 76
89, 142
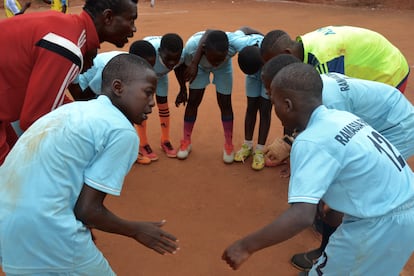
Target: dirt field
206, 203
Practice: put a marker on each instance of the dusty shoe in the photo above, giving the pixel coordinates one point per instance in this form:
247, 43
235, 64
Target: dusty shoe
185, 149
243, 153
258, 160
146, 150
143, 160
228, 154
305, 261
168, 149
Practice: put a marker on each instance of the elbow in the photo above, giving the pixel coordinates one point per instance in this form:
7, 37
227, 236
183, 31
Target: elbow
304, 213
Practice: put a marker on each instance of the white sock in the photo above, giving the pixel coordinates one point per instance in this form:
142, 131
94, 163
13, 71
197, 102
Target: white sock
249, 143
259, 147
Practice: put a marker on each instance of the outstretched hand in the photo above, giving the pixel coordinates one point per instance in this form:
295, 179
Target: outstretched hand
235, 255
150, 235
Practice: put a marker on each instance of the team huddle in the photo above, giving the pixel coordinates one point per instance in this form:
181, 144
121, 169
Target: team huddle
343, 112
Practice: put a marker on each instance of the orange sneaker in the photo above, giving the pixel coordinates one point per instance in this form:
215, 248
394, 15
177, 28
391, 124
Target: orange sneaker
143, 160
146, 150
168, 149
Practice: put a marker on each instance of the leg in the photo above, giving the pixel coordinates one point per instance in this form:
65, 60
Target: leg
265, 109
164, 114
194, 99
253, 105
249, 124
145, 153
224, 102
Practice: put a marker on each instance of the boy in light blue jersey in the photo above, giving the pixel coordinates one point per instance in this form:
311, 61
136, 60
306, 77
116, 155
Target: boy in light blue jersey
250, 62
208, 53
63, 168
87, 85
388, 112
169, 48
338, 158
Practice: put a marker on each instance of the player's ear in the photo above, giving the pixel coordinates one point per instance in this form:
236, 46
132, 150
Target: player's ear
117, 87
289, 104
107, 16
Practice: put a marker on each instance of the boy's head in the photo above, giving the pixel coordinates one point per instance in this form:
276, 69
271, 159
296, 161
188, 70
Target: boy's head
144, 49
171, 48
249, 59
130, 82
274, 43
296, 91
273, 66
216, 47
114, 19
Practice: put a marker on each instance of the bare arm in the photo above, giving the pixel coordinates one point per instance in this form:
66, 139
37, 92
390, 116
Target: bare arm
288, 224
91, 211
182, 94
192, 69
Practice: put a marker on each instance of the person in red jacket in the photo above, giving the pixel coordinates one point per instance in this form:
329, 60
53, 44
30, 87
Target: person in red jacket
55, 47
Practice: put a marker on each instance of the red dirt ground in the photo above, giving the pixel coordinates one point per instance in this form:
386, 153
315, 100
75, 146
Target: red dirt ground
208, 204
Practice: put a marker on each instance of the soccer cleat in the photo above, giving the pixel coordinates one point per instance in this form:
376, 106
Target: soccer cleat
143, 160
147, 151
185, 149
258, 160
228, 154
243, 153
168, 149
305, 261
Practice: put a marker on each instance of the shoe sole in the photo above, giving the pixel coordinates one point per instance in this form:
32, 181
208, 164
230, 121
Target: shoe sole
152, 159
299, 267
183, 158
242, 160
257, 169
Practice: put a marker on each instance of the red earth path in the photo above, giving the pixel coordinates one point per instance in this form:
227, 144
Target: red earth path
206, 203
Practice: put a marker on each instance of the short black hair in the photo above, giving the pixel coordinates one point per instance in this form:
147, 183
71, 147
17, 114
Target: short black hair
217, 40
250, 60
275, 64
172, 42
143, 49
300, 78
123, 67
270, 40
94, 7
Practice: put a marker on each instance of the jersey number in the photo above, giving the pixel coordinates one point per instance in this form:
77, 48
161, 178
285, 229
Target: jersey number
383, 146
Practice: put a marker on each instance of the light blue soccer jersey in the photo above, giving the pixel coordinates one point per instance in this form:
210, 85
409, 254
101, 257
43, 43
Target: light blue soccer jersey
93, 76
382, 106
237, 41
222, 73
160, 69
343, 161
88, 142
